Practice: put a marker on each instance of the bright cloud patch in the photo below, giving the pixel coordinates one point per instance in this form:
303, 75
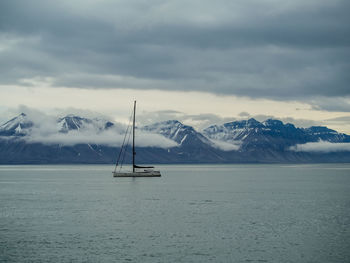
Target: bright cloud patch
321, 146
226, 146
109, 137
72, 130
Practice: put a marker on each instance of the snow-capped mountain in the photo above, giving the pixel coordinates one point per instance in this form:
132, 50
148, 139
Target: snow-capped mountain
324, 134
192, 145
17, 126
270, 134
233, 131
178, 132
72, 122
74, 139
21, 125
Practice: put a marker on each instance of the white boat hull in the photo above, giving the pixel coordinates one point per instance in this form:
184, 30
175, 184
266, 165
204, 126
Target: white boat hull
137, 174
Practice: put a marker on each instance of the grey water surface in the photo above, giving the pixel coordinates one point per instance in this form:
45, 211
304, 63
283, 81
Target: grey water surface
193, 213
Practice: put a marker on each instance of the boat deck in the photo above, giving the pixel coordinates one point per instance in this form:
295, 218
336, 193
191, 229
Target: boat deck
137, 174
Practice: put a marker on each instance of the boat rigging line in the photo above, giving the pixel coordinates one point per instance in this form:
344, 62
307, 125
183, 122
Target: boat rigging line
124, 146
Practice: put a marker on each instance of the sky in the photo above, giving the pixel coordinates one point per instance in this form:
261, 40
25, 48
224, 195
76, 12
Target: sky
201, 62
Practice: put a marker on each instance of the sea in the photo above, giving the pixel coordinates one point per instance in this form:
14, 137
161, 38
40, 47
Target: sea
193, 213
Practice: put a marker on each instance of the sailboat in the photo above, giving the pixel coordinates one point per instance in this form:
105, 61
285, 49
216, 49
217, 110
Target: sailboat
137, 170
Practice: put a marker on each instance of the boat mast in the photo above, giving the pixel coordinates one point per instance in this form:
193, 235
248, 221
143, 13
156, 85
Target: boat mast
133, 139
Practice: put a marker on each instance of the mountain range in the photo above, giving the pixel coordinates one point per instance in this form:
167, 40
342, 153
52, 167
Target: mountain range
74, 139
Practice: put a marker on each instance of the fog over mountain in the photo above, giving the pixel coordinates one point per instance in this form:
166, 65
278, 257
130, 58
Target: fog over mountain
76, 139
71, 130
321, 146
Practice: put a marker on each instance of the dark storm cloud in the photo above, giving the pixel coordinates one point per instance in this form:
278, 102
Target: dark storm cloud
275, 49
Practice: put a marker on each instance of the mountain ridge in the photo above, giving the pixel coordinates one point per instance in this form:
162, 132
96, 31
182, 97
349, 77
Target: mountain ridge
270, 141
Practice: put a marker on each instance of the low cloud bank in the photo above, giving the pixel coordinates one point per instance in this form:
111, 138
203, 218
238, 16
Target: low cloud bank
109, 137
225, 146
75, 137
321, 146
72, 130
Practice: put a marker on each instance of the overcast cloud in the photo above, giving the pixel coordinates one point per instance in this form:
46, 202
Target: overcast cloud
284, 50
